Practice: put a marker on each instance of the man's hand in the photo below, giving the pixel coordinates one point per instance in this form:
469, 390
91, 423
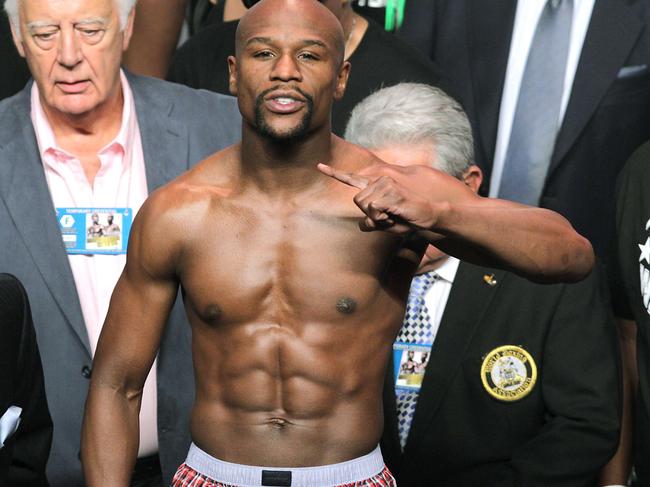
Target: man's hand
535, 243
400, 199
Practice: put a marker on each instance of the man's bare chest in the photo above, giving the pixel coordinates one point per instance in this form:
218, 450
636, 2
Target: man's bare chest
260, 264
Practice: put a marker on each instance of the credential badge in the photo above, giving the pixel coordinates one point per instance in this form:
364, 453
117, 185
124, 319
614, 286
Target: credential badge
508, 373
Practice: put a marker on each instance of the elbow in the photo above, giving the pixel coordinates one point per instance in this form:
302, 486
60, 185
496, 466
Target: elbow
580, 260
573, 264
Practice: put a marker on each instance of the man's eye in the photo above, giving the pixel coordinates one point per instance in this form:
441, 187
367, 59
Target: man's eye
263, 54
90, 32
308, 56
45, 36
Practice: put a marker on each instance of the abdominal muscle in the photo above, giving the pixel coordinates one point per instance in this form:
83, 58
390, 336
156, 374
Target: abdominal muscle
272, 396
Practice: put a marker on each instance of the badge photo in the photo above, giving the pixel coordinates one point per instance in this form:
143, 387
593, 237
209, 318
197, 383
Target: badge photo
95, 230
508, 373
409, 362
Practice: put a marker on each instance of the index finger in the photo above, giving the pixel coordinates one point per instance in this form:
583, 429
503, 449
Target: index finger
348, 178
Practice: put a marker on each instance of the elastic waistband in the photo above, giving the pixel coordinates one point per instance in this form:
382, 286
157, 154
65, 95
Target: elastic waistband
355, 470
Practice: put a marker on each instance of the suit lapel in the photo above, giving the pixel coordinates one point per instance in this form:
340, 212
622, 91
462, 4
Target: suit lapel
165, 142
612, 32
490, 29
24, 189
457, 327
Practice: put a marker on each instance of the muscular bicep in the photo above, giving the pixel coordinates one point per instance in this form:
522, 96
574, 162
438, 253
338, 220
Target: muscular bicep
140, 304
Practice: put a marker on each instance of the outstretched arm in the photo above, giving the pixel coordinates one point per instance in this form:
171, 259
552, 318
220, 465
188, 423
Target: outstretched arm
127, 347
536, 243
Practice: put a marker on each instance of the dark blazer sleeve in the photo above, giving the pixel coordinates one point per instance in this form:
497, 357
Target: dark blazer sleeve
582, 401
28, 449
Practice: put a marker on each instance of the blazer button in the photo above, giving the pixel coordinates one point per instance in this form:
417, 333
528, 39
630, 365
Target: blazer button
86, 372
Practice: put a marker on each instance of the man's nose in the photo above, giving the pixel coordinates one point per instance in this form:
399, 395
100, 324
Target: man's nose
69, 49
286, 68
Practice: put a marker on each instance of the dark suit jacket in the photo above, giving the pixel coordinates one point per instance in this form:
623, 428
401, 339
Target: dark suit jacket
560, 434
607, 118
24, 454
178, 127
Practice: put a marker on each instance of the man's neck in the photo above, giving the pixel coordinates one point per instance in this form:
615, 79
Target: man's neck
284, 166
90, 131
432, 265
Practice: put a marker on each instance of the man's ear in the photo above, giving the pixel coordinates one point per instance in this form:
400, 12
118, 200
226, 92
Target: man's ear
473, 177
232, 75
17, 39
342, 80
128, 29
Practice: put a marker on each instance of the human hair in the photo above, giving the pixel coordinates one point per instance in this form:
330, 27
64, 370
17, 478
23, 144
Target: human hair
411, 113
12, 7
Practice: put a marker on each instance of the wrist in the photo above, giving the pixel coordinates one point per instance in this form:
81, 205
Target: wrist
440, 216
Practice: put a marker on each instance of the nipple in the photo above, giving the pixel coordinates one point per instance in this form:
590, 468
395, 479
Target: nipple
346, 306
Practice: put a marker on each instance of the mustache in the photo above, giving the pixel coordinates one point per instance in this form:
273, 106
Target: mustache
260, 98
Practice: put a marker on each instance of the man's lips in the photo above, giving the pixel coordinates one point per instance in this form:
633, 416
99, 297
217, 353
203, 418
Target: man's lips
72, 87
283, 102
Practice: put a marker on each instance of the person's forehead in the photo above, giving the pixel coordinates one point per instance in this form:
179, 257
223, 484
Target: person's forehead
286, 28
275, 18
66, 10
280, 37
327, 3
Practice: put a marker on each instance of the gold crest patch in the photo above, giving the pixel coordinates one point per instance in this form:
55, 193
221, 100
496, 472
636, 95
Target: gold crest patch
508, 373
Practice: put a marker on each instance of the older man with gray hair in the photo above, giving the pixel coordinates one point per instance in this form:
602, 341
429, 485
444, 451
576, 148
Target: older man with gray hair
514, 383
87, 138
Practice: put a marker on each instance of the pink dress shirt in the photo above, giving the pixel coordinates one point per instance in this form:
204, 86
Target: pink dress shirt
120, 183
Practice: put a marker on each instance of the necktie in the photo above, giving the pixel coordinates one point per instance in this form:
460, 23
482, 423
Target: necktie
536, 121
415, 329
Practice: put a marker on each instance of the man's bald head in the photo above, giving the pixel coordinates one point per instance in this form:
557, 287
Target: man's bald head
280, 14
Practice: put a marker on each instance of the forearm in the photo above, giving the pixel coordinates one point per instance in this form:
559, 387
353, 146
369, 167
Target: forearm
535, 243
110, 436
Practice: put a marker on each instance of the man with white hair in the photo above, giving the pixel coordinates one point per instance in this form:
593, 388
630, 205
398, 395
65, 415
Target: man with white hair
85, 138
520, 385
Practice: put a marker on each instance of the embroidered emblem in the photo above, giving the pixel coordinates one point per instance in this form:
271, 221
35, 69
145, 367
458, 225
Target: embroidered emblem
508, 373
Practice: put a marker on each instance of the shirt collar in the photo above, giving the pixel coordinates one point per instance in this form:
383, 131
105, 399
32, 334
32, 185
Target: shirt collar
45, 135
447, 270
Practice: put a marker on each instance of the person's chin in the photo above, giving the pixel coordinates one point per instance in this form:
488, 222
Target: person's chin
284, 132
76, 104
287, 134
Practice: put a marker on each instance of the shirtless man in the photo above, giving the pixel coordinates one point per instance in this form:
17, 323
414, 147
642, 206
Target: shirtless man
293, 309
111, 228
95, 229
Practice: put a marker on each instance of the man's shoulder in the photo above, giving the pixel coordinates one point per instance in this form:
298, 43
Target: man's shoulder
182, 98
210, 179
351, 157
516, 287
14, 112
638, 165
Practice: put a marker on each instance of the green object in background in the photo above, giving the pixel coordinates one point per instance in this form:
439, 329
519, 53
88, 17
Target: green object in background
394, 14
